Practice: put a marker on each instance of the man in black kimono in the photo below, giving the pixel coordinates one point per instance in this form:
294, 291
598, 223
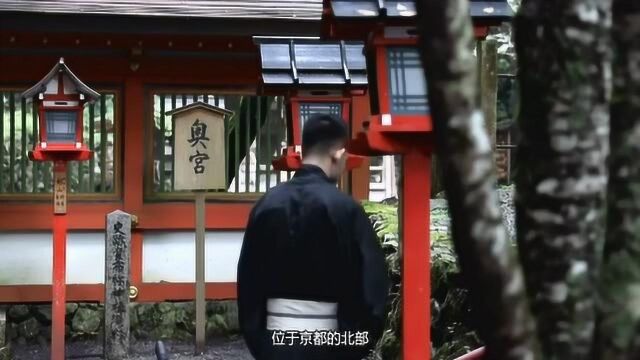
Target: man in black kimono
312, 280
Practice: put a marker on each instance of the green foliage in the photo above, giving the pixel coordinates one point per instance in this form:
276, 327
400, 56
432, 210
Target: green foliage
451, 335
385, 222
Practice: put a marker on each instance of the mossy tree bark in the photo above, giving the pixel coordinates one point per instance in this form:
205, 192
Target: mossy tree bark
564, 73
619, 320
487, 259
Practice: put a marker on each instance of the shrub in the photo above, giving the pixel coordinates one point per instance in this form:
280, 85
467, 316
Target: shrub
451, 334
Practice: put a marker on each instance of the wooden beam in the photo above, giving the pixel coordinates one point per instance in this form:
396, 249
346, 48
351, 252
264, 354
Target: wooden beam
152, 216
56, 23
148, 292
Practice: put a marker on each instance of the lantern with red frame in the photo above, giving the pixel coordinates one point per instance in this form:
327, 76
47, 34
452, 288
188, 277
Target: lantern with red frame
60, 97
401, 124
399, 107
317, 77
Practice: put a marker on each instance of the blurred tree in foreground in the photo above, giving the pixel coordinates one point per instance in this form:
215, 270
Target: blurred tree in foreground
464, 150
618, 330
564, 72
576, 301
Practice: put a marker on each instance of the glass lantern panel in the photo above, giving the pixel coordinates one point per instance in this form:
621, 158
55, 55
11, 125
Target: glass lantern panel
61, 126
408, 87
308, 109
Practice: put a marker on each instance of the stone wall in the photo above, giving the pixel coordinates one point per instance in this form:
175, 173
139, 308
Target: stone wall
149, 321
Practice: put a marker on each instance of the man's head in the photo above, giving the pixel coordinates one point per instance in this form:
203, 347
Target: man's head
324, 138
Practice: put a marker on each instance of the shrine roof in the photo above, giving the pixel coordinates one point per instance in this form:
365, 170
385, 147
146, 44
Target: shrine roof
271, 9
309, 61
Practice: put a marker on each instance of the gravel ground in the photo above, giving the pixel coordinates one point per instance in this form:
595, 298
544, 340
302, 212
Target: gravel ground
217, 349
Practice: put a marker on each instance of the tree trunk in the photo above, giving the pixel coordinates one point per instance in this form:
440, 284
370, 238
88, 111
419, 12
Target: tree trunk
564, 68
487, 259
619, 319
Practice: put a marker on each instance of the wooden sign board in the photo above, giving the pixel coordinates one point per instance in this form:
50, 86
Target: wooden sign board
199, 147
60, 188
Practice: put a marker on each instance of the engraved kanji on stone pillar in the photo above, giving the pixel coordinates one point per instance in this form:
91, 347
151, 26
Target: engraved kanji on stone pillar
116, 299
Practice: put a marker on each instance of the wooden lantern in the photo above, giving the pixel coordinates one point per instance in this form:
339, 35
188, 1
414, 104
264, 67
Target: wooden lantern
60, 98
300, 107
399, 107
317, 77
199, 147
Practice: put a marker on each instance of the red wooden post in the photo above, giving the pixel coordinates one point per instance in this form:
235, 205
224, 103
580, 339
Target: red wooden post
416, 286
58, 307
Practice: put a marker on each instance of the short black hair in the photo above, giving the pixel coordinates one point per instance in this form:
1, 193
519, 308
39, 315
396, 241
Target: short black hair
323, 132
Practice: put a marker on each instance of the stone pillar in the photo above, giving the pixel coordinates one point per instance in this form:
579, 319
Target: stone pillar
116, 299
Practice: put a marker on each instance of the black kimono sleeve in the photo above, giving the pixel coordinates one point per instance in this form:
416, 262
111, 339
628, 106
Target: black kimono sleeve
373, 289
251, 293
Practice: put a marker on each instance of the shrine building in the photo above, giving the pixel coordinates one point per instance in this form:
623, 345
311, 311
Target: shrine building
269, 64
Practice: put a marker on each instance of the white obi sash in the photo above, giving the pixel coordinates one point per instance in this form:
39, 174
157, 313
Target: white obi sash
301, 315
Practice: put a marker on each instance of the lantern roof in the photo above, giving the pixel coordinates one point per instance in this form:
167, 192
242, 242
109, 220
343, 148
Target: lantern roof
311, 62
52, 76
407, 8
200, 105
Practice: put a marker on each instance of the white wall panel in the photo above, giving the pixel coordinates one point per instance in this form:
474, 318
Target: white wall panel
85, 258
26, 258
170, 256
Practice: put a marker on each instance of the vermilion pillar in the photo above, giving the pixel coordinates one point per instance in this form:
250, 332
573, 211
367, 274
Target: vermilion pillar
58, 307
416, 252
416, 148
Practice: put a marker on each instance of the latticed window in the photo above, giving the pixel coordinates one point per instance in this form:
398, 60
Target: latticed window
254, 135
407, 85
308, 109
19, 131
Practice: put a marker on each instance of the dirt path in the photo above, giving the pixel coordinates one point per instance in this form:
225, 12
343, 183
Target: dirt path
218, 349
